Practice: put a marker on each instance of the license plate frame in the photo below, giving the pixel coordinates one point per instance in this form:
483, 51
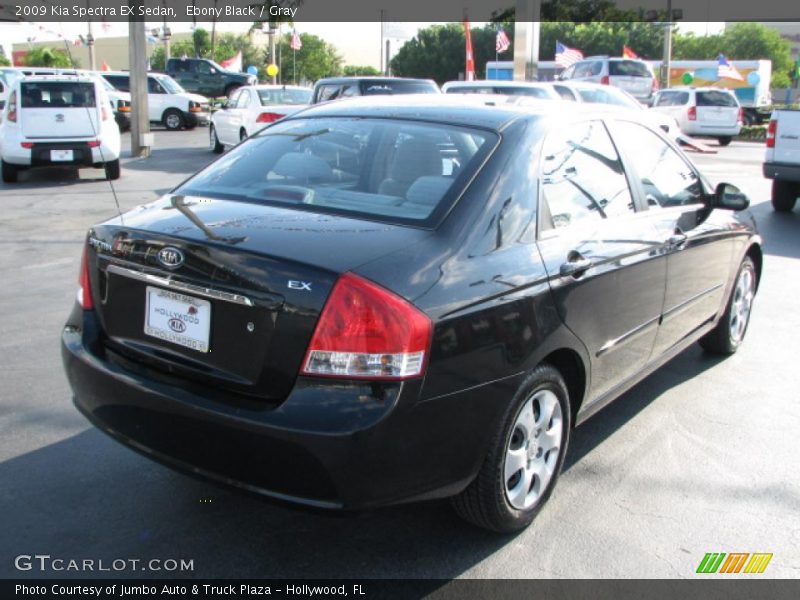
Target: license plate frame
62, 155
178, 318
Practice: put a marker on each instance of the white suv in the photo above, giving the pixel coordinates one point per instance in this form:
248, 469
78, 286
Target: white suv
702, 112
630, 74
63, 120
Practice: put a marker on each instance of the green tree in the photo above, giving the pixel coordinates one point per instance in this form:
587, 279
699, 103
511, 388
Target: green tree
4, 62
227, 45
316, 59
49, 57
436, 52
355, 70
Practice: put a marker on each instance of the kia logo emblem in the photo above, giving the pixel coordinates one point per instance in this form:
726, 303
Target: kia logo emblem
177, 325
59, 118
170, 257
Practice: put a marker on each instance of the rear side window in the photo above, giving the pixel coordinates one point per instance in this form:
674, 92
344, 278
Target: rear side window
672, 99
628, 68
565, 93
281, 96
57, 94
119, 81
588, 69
582, 177
397, 171
716, 98
328, 92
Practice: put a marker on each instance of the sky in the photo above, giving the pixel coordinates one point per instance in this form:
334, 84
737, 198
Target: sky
359, 43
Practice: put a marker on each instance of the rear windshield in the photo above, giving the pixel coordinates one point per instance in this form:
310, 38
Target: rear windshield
57, 94
672, 99
387, 88
715, 98
280, 96
397, 171
628, 68
506, 89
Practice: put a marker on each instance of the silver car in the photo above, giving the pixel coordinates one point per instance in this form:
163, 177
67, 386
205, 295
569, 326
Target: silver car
632, 75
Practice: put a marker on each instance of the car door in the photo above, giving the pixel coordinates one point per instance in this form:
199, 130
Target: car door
695, 241
157, 99
598, 249
240, 116
223, 120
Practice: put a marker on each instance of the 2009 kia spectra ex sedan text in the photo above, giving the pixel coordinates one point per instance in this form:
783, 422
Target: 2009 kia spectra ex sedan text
385, 300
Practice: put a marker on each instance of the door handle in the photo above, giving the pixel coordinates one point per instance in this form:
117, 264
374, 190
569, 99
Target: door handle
576, 266
676, 240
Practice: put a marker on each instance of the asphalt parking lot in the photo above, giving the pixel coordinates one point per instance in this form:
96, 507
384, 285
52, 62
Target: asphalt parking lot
700, 457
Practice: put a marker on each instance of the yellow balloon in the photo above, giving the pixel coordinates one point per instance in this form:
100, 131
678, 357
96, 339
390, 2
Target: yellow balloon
272, 70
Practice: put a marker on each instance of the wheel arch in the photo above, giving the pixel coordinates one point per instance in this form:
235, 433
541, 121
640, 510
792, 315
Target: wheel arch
571, 366
756, 254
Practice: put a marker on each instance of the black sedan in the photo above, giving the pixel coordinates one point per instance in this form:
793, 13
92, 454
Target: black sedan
386, 300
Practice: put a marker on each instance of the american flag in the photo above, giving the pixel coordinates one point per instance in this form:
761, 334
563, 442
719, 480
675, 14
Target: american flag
502, 43
566, 56
726, 70
295, 44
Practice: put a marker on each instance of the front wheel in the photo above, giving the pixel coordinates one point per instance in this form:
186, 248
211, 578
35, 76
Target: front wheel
173, 119
725, 140
524, 459
213, 141
784, 195
727, 336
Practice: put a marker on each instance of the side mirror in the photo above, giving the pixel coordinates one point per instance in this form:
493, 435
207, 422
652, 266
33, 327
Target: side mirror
212, 71
729, 197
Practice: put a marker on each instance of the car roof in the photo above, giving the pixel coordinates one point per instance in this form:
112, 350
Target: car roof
496, 83
59, 77
269, 86
491, 111
370, 78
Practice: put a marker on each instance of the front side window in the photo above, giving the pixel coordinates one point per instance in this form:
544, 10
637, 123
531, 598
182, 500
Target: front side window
666, 177
398, 171
582, 177
153, 87
672, 99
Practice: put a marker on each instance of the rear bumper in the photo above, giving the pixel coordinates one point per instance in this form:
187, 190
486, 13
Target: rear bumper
40, 154
693, 128
782, 171
194, 119
330, 444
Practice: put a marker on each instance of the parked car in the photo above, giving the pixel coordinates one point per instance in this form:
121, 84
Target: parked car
58, 120
594, 93
782, 162
251, 108
702, 112
336, 88
204, 76
390, 299
540, 91
168, 103
630, 74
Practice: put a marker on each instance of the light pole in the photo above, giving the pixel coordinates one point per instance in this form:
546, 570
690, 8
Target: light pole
166, 34
90, 43
271, 32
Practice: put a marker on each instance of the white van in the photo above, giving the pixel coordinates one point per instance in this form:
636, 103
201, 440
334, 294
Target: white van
168, 103
58, 120
702, 112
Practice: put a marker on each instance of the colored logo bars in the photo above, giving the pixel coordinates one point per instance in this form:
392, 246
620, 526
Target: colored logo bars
734, 562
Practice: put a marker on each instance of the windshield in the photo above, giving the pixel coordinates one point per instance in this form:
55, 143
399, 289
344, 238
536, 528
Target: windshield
397, 171
273, 96
383, 88
609, 95
169, 84
508, 90
716, 98
628, 68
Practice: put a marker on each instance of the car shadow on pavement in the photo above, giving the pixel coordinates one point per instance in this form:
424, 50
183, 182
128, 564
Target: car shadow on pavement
687, 365
173, 160
779, 230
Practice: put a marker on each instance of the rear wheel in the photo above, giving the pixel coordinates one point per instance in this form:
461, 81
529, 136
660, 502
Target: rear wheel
10, 172
524, 459
727, 336
173, 119
213, 141
242, 135
112, 169
725, 140
784, 195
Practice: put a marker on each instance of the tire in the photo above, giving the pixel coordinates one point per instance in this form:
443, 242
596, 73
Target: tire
213, 141
10, 172
112, 170
784, 195
230, 89
725, 140
729, 333
173, 119
497, 499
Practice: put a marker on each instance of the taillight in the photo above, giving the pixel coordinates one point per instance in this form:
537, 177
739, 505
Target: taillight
94, 143
740, 117
692, 113
772, 131
85, 289
655, 86
12, 107
604, 80
268, 117
26, 145
367, 332
104, 113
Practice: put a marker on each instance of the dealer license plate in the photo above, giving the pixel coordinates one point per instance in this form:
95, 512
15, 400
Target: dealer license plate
61, 155
177, 318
